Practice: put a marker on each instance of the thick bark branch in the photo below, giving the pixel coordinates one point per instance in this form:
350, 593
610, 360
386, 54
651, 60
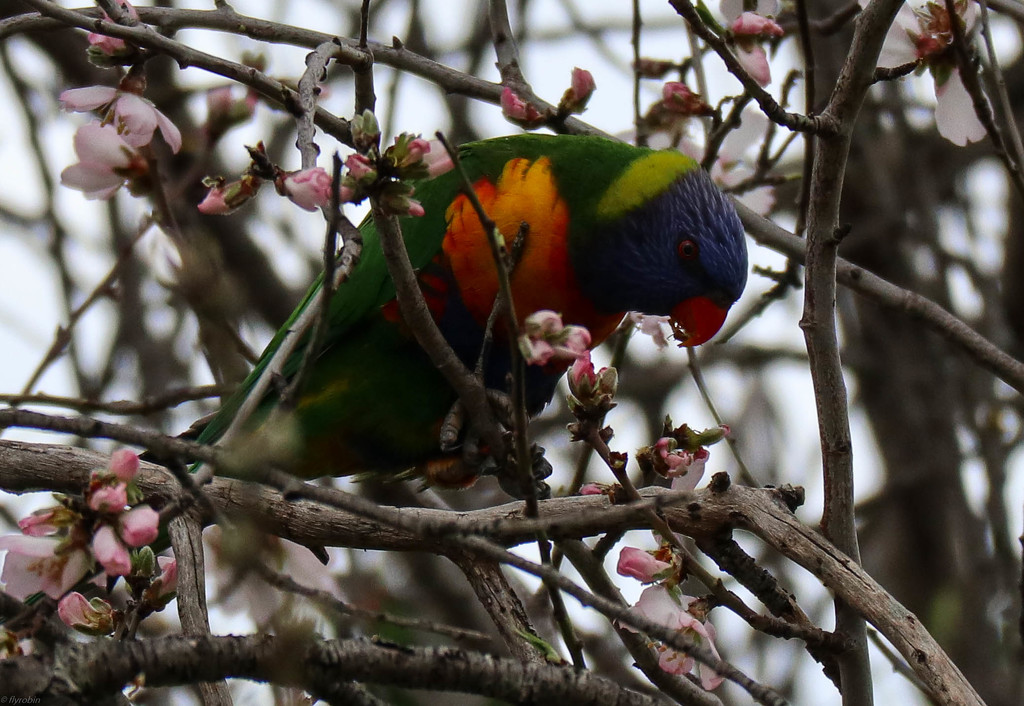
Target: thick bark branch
25, 467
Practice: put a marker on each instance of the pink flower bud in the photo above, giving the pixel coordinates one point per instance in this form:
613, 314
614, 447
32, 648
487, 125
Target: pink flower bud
139, 526
215, 203
750, 24
92, 617
416, 208
640, 565
582, 374
110, 552
417, 149
109, 498
543, 323
594, 489
582, 85
575, 98
226, 197
519, 111
40, 523
679, 99
437, 159
512, 105
124, 464
309, 189
576, 340
359, 166
755, 62
168, 578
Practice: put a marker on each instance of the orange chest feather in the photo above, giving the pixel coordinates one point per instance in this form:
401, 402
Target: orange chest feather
525, 199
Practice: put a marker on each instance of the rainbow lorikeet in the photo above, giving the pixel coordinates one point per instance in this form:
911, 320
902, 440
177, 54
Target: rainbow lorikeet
609, 228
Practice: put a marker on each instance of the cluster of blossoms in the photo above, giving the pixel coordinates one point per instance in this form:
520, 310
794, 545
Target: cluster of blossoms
591, 391
111, 151
923, 34
664, 603
366, 172
573, 101
749, 28
545, 340
112, 51
680, 454
59, 545
410, 157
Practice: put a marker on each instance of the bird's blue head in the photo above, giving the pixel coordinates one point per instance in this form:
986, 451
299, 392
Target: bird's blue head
665, 241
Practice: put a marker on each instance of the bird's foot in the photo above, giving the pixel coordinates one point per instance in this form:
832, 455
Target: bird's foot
512, 483
453, 427
475, 459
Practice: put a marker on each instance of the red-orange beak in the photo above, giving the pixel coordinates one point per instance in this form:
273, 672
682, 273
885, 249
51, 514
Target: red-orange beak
699, 318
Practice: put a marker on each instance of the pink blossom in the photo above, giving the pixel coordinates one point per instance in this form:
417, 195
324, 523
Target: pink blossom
517, 110
138, 119
751, 24
167, 581
594, 489
437, 159
105, 161
215, 203
653, 326
80, 100
139, 526
669, 608
678, 100
124, 464
226, 197
582, 85
589, 387
135, 118
543, 323
754, 61
640, 565
418, 147
92, 617
359, 166
35, 564
545, 340
109, 498
686, 468
576, 97
582, 373
110, 552
308, 189
416, 208
111, 46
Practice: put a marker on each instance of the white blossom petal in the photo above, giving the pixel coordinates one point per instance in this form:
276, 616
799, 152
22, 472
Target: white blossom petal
954, 112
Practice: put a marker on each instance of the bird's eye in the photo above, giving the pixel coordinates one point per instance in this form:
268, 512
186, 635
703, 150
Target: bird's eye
688, 249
